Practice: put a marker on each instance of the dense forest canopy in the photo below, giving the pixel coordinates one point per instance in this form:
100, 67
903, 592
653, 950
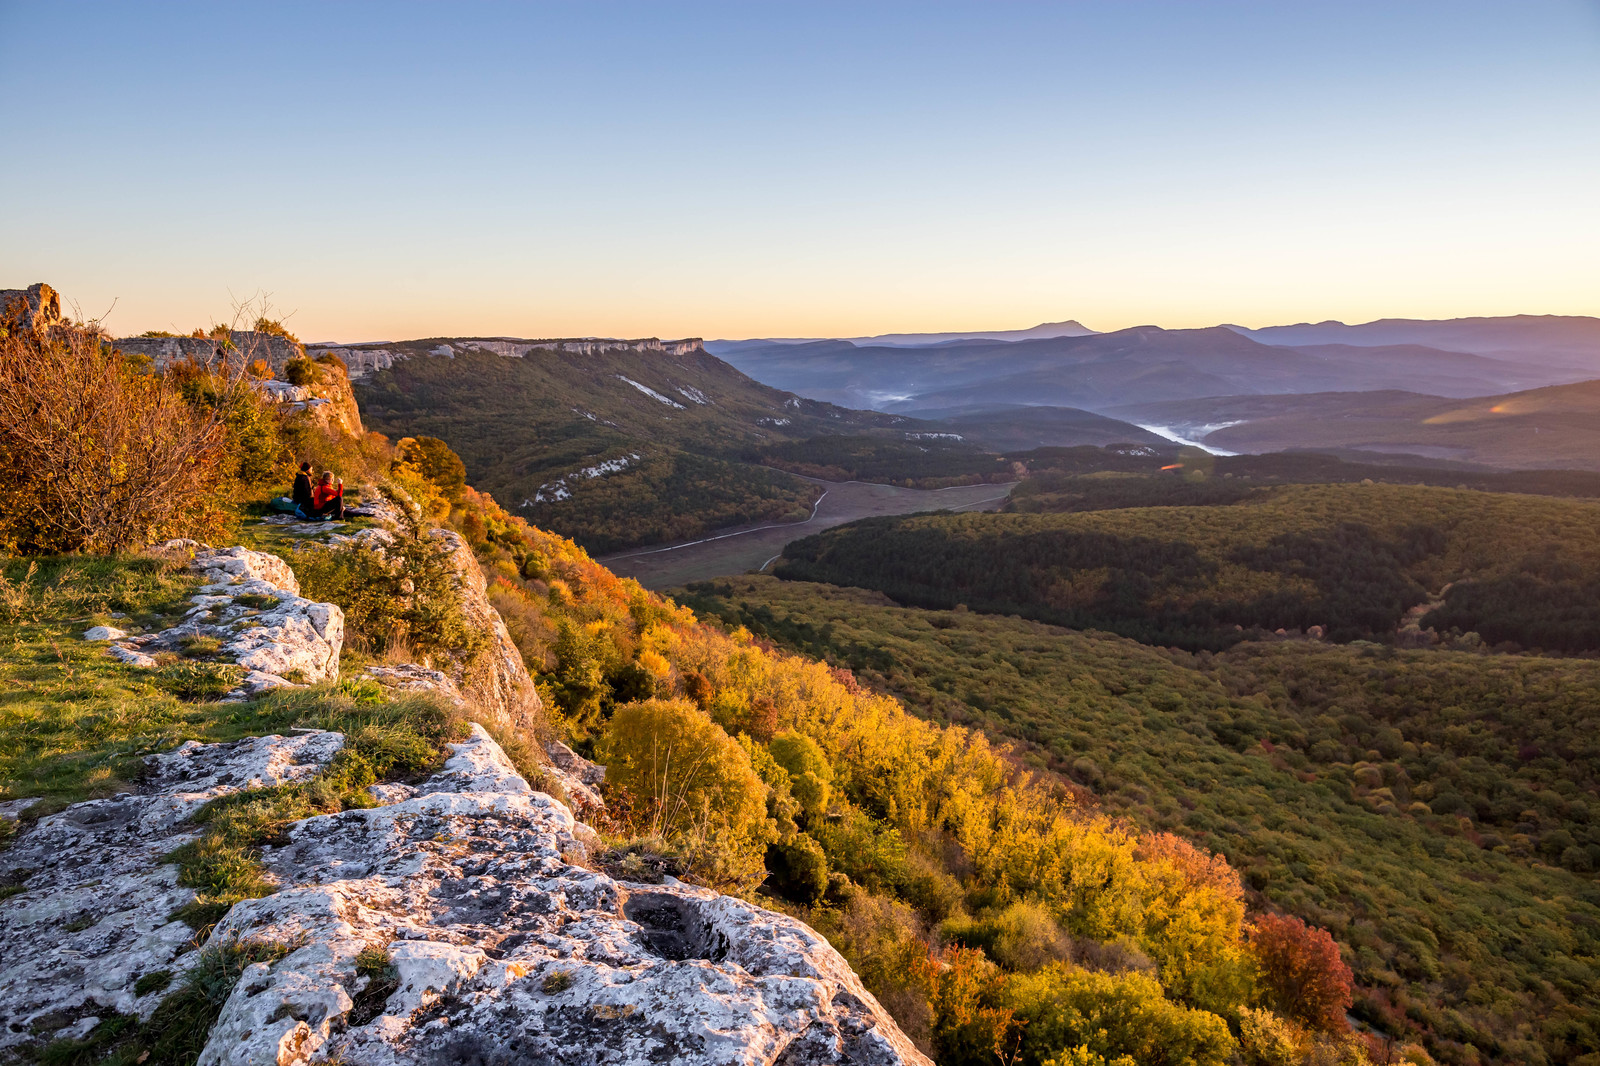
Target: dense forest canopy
1230, 559
1438, 810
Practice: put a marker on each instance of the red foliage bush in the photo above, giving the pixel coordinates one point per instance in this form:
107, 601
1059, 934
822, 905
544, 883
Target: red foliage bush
1303, 976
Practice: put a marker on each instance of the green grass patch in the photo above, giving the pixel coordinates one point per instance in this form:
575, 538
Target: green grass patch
200, 646
76, 724
154, 981
382, 979
403, 739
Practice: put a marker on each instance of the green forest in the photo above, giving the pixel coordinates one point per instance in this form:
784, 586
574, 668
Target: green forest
1205, 564
1437, 810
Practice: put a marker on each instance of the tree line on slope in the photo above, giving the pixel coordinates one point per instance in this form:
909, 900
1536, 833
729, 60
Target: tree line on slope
990, 907
1438, 810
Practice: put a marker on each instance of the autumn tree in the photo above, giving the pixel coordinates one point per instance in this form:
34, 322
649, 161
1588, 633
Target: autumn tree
1302, 974
970, 1023
99, 454
688, 781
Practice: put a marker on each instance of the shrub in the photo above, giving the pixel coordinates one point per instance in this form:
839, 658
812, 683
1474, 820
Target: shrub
274, 328
199, 682
971, 1023
300, 371
1302, 975
1193, 922
432, 459
96, 456
1268, 1040
1022, 937
810, 775
1112, 1016
870, 853
403, 594
689, 779
799, 869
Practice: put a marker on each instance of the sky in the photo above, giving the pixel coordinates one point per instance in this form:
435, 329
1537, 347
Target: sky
400, 170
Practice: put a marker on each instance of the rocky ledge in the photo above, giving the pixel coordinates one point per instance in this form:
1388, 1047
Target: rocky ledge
502, 946
251, 608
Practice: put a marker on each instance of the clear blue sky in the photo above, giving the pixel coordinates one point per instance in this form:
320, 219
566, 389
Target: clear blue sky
395, 170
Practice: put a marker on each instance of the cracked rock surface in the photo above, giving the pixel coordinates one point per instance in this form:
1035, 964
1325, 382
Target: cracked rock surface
94, 914
501, 948
251, 605
506, 952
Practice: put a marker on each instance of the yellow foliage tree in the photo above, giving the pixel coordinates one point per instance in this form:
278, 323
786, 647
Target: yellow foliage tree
691, 783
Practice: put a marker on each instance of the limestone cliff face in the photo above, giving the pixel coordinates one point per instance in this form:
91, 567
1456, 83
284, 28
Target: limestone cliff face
248, 346
326, 399
497, 679
364, 360
37, 308
506, 948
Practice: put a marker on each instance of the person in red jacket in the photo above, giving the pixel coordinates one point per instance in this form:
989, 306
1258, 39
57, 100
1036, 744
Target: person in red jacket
327, 497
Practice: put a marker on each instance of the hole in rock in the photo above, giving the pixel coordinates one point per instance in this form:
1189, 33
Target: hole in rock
673, 927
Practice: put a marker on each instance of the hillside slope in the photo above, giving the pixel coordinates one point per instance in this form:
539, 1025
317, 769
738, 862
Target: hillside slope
613, 444
1392, 796
1554, 427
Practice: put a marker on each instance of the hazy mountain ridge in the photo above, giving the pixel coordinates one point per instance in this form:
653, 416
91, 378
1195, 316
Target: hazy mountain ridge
1142, 364
1571, 341
1069, 328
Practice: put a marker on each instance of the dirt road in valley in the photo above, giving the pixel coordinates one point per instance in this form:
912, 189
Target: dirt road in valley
736, 551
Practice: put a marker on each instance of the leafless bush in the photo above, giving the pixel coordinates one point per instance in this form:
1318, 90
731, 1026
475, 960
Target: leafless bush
96, 454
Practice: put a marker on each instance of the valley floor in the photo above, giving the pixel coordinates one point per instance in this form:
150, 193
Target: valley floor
745, 548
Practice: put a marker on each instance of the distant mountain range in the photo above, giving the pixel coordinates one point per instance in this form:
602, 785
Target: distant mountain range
1143, 364
1069, 328
1371, 386
1552, 340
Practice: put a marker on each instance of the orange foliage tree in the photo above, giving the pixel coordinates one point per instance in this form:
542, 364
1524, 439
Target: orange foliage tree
1302, 975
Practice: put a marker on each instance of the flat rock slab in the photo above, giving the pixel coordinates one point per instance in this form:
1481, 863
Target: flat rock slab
251, 605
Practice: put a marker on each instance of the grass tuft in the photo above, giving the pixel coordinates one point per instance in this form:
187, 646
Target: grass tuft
382, 979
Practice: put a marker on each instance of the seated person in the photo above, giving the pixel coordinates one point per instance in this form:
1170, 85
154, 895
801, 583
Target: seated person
301, 494
327, 498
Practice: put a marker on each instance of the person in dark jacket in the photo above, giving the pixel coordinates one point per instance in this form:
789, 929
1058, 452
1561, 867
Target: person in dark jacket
302, 491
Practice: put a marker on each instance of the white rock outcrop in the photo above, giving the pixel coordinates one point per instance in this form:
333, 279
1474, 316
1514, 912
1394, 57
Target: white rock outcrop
502, 947
251, 605
496, 679
96, 913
